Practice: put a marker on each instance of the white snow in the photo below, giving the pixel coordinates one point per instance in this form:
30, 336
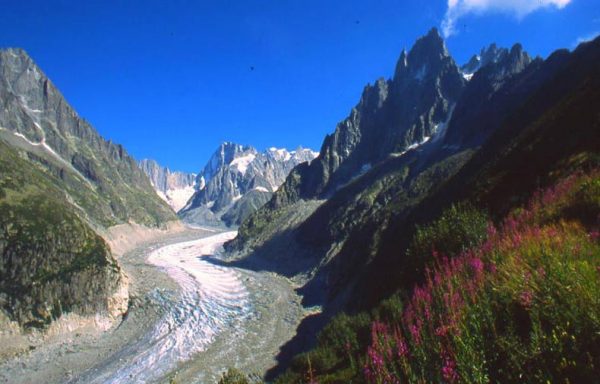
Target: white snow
25, 104
51, 151
418, 144
440, 129
365, 168
420, 74
201, 183
177, 198
212, 300
42, 143
282, 153
411, 147
261, 189
468, 76
439, 133
241, 163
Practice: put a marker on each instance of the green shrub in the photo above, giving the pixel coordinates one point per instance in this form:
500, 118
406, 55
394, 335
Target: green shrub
459, 228
234, 376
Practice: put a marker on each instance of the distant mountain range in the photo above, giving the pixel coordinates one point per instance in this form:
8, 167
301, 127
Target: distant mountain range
236, 181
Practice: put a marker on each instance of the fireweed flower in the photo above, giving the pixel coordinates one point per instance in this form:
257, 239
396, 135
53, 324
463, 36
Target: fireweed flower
449, 369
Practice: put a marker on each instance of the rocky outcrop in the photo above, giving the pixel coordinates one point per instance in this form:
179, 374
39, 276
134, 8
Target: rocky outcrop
237, 180
489, 55
475, 117
175, 188
505, 137
51, 261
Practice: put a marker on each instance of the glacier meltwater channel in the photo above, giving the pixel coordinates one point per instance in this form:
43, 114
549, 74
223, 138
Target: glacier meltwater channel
212, 299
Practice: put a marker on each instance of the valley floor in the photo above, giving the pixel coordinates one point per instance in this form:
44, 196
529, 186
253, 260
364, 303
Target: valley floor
190, 319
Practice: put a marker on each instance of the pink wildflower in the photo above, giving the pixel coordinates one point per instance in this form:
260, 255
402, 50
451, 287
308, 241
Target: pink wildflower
449, 369
526, 298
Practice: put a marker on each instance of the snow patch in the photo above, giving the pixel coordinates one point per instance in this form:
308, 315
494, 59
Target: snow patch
241, 163
261, 189
177, 198
365, 168
42, 143
281, 153
441, 128
414, 145
51, 151
467, 76
420, 74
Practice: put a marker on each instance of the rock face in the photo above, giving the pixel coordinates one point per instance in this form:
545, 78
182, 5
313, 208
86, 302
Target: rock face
474, 117
489, 55
391, 117
175, 188
237, 180
429, 99
98, 175
405, 136
51, 261
60, 183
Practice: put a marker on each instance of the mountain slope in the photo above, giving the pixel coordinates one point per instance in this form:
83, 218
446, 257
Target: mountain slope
237, 180
349, 246
175, 188
61, 184
51, 261
550, 134
99, 175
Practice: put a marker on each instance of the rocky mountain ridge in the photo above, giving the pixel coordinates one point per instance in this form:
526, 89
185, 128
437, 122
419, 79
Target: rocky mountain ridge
391, 117
98, 175
237, 180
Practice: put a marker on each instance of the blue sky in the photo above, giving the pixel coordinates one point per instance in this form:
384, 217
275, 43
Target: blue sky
170, 80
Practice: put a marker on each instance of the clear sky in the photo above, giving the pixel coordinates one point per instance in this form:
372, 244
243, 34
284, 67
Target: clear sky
170, 80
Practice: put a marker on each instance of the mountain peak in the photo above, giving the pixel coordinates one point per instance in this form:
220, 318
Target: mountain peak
426, 54
14, 52
493, 54
431, 42
434, 33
